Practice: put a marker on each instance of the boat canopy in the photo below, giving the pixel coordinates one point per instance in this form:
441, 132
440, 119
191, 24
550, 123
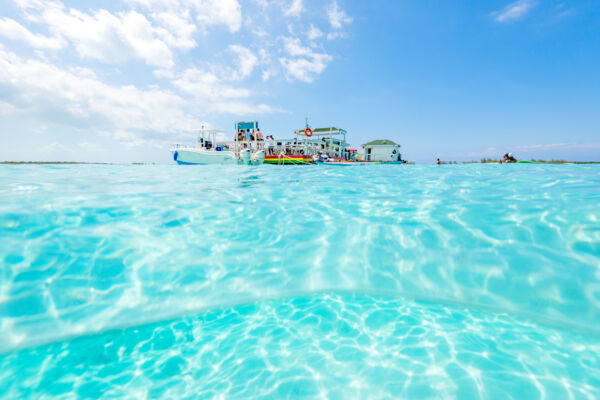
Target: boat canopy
323, 131
253, 125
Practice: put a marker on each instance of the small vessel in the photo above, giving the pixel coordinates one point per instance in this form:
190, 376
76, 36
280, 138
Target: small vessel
209, 151
308, 145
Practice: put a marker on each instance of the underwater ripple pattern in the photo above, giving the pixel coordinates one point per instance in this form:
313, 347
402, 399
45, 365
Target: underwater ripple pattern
87, 248
328, 346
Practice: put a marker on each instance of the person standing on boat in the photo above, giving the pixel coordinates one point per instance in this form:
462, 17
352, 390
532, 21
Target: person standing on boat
259, 138
271, 146
247, 134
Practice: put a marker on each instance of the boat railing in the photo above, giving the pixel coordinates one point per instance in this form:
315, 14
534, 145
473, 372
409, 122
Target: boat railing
288, 146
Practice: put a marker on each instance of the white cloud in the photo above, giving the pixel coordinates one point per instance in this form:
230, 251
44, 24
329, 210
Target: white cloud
212, 12
239, 108
562, 10
260, 32
305, 62
303, 69
207, 12
102, 35
336, 35
75, 98
213, 94
514, 11
13, 30
109, 38
294, 47
133, 139
117, 37
7, 109
55, 147
246, 61
314, 33
207, 85
175, 29
337, 17
295, 8
269, 68
261, 3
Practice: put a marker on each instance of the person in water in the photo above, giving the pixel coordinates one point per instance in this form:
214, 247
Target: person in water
508, 158
438, 162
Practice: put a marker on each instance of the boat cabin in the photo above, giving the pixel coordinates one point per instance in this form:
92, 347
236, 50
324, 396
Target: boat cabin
207, 138
381, 150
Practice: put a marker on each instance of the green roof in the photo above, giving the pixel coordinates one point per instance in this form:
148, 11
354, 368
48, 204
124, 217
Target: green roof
333, 128
381, 142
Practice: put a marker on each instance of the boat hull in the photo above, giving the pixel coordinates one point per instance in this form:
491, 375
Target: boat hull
184, 156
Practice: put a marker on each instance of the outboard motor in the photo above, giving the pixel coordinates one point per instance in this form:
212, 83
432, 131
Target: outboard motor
323, 157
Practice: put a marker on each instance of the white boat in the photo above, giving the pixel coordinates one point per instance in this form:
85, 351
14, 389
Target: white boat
209, 151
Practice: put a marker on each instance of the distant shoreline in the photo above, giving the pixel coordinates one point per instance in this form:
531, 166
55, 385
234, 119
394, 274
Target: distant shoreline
72, 162
492, 161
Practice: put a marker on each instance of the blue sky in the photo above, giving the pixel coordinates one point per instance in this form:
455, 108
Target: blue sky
120, 81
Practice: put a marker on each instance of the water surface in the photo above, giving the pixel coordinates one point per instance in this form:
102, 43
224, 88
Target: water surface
90, 255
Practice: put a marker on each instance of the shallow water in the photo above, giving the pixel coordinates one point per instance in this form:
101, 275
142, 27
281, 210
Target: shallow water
508, 251
326, 346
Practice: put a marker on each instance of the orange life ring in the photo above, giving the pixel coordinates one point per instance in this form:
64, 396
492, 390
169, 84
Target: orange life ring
308, 132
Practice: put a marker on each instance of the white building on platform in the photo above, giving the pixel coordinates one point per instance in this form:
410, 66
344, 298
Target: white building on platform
381, 150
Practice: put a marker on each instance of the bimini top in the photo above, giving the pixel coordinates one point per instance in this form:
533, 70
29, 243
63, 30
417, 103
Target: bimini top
381, 142
239, 125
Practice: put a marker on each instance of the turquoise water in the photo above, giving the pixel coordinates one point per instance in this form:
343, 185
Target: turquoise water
474, 281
